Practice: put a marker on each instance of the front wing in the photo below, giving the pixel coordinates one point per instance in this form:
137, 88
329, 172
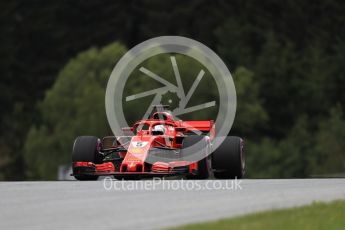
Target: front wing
159, 169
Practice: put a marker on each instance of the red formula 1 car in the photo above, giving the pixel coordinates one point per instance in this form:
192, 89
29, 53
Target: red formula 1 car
160, 147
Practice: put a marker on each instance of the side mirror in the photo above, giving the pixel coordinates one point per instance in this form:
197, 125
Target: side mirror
180, 129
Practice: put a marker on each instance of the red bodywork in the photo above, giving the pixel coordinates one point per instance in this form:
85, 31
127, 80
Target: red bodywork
132, 156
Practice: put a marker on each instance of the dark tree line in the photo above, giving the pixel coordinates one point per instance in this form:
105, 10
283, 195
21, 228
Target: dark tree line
294, 49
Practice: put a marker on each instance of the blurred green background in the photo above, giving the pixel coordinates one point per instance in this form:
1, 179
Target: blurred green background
287, 60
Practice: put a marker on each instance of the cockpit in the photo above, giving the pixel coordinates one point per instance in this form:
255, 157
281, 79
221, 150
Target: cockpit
153, 128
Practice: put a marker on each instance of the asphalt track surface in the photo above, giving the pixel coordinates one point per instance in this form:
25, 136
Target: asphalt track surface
88, 205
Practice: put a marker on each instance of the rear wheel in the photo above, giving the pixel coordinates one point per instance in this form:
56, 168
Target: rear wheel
198, 143
85, 149
228, 161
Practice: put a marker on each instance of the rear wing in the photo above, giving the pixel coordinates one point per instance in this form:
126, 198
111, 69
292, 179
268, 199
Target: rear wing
203, 126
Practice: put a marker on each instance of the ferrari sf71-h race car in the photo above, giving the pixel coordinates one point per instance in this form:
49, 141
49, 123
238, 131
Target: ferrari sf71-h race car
157, 149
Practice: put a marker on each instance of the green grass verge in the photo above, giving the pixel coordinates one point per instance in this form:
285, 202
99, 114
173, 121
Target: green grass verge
315, 216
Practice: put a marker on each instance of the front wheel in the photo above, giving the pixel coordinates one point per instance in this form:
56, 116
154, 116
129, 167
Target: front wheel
85, 149
197, 143
228, 161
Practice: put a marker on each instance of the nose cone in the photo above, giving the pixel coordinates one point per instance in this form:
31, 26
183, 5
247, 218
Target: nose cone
132, 167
